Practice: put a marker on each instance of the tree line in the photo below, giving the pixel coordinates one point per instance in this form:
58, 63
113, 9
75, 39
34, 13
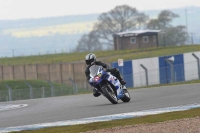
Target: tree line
125, 18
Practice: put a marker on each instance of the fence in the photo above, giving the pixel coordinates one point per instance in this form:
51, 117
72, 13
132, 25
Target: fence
167, 76
78, 83
41, 92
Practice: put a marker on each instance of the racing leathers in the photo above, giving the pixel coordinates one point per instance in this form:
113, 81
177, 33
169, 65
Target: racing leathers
113, 71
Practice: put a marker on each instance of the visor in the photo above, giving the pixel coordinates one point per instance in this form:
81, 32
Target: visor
88, 62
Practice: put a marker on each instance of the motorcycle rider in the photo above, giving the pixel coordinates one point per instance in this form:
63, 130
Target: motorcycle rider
90, 59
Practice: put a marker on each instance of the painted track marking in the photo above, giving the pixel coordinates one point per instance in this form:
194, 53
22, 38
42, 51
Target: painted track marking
100, 118
4, 107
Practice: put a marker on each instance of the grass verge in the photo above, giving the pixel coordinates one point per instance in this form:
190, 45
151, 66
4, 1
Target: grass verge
105, 56
124, 122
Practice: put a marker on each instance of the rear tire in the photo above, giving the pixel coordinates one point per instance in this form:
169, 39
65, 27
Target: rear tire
126, 97
110, 94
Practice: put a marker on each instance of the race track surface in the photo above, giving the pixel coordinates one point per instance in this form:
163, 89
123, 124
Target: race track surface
83, 106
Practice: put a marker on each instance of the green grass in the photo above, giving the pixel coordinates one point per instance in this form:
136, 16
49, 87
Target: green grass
123, 122
113, 55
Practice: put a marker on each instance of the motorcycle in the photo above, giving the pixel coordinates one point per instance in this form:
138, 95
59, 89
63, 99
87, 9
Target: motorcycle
108, 85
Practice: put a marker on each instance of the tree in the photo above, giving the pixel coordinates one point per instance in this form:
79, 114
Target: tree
141, 20
121, 18
165, 17
163, 20
170, 35
88, 42
154, 24
176, 35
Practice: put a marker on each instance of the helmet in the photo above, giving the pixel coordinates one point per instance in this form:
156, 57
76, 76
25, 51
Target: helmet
90, 59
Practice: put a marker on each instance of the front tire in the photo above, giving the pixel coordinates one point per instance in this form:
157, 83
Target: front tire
126, 97
110, 94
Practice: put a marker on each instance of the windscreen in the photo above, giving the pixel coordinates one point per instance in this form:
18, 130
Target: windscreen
94, 70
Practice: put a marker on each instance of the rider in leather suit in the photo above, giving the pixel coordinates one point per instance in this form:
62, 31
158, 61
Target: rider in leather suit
90, 60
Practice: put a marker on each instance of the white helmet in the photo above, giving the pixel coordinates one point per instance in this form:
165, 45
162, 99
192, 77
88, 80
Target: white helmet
90, 59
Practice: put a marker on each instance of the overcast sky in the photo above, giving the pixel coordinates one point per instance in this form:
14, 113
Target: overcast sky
17, 9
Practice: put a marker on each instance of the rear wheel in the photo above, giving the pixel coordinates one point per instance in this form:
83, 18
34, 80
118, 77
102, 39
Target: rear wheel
110, 94
126, 97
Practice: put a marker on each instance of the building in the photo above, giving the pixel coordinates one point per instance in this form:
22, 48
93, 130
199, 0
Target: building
136, 39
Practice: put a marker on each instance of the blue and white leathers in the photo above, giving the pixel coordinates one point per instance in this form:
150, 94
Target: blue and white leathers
99, 75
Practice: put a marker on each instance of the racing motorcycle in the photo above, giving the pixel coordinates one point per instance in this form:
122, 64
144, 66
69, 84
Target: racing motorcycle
108, 85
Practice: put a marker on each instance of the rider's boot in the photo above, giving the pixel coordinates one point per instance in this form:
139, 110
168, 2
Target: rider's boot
124, 87
122, 81
96, 93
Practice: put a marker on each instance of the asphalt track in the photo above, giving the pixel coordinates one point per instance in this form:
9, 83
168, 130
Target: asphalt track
83, 106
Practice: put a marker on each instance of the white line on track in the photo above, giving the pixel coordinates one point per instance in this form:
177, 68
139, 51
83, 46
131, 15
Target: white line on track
100, 118
11, 106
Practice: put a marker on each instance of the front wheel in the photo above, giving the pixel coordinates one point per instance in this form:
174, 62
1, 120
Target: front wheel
110, 94
126, 97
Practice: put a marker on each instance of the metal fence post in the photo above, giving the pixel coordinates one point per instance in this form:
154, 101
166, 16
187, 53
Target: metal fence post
198, 66
31, 90
172, 69
20, 94
52, 88
43, 92
74, 85
175, 77
76, 88
146, 74
61, 90
9, 92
